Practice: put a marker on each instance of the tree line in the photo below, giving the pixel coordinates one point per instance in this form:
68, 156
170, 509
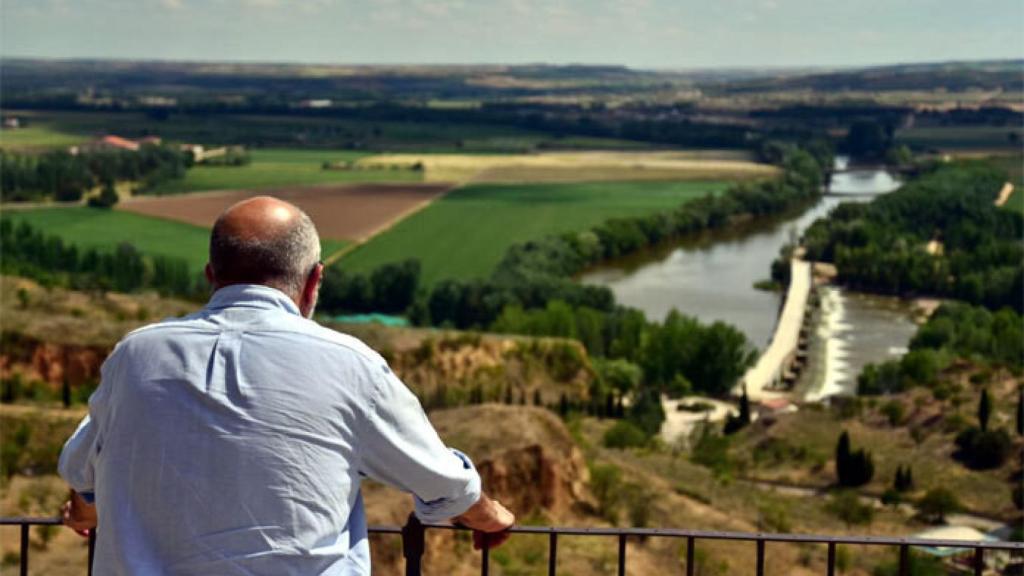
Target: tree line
27, 251
955, 330
66, 177
938, 235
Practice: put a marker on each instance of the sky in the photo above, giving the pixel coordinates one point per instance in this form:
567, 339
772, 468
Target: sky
658, 34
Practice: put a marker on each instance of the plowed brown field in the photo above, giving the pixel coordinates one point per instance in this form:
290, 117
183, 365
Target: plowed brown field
349, 212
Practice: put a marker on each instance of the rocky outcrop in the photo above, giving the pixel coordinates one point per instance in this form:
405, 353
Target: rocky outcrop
49, 362
525, 455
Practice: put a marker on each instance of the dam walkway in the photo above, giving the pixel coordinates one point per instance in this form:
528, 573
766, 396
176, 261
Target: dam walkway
765, 379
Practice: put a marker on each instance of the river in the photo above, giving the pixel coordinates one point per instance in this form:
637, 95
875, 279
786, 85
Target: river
712, 278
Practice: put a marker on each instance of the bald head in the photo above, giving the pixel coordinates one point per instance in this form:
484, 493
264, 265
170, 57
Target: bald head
264, 240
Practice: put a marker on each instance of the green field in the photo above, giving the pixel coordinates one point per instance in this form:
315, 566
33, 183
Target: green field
465, 234
37, 137
281, 167
105, 229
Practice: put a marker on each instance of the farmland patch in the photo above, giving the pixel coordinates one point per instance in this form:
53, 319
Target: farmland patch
465, 234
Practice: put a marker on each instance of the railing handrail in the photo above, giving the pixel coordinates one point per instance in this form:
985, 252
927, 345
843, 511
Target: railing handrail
413, 532
751, 536
661, 532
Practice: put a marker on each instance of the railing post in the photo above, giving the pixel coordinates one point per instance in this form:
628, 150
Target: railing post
904, 560
413, 546
690, 549
979, 561
622, 555
24, 550
92, 548
831, 559
760, 557
485, 554
552, 553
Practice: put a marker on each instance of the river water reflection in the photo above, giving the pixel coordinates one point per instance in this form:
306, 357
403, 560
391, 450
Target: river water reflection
712, 278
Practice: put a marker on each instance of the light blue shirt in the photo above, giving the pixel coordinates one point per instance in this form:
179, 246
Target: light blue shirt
233, 441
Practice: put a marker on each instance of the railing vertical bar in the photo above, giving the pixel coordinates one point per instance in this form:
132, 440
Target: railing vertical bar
552, 553
24, 550
92, 549
904, 560
979, 561
413, 545
831, 559
485, 555
760, 557
622, 555
690, 549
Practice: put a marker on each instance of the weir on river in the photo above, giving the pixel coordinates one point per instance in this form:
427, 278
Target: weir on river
763, 380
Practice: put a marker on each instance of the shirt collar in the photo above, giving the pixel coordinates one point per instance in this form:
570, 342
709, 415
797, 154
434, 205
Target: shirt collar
251, 296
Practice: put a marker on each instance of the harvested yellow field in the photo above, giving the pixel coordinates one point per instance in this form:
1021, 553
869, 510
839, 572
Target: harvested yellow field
577, 166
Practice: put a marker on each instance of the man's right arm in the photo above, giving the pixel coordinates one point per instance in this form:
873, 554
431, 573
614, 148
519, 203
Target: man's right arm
402, 448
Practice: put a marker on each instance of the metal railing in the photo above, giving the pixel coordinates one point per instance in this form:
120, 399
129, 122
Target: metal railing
413, 535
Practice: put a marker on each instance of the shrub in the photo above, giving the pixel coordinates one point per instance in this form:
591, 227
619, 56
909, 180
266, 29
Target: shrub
846, 506
937, 503
606, 484
894, 412
624, 434
983, 449
712, 452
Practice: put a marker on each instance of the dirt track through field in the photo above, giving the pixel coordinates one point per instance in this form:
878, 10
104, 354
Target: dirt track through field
347, 212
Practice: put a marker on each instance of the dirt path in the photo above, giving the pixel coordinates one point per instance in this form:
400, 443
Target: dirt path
1004, 194
978, 521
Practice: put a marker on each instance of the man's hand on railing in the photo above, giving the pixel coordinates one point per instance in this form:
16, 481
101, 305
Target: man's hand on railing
78, 514
488, 517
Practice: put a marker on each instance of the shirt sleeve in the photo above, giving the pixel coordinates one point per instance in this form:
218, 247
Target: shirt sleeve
402, 448
78, 457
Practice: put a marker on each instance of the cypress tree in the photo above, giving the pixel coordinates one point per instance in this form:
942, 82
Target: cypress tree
984, 410
744, 407
536, 397
1020, 412
843, 456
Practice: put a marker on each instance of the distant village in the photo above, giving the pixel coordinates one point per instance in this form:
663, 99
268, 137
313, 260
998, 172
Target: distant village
114, 143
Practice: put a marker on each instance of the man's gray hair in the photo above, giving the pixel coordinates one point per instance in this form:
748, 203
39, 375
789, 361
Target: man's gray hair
283, 261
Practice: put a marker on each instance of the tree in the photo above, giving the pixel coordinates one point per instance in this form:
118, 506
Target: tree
107, 197
842, 455
736, 423
937, 503
983, 449
1020, 412
984, 410
904, 480
866, 139
646, 412
853, 468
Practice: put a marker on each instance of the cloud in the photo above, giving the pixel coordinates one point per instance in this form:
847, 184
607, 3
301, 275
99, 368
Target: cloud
173, 4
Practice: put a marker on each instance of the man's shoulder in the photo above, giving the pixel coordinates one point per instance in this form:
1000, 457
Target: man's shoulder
339, 340
289, 326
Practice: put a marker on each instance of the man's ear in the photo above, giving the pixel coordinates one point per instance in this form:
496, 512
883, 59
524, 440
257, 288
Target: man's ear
309, 291
208, 271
